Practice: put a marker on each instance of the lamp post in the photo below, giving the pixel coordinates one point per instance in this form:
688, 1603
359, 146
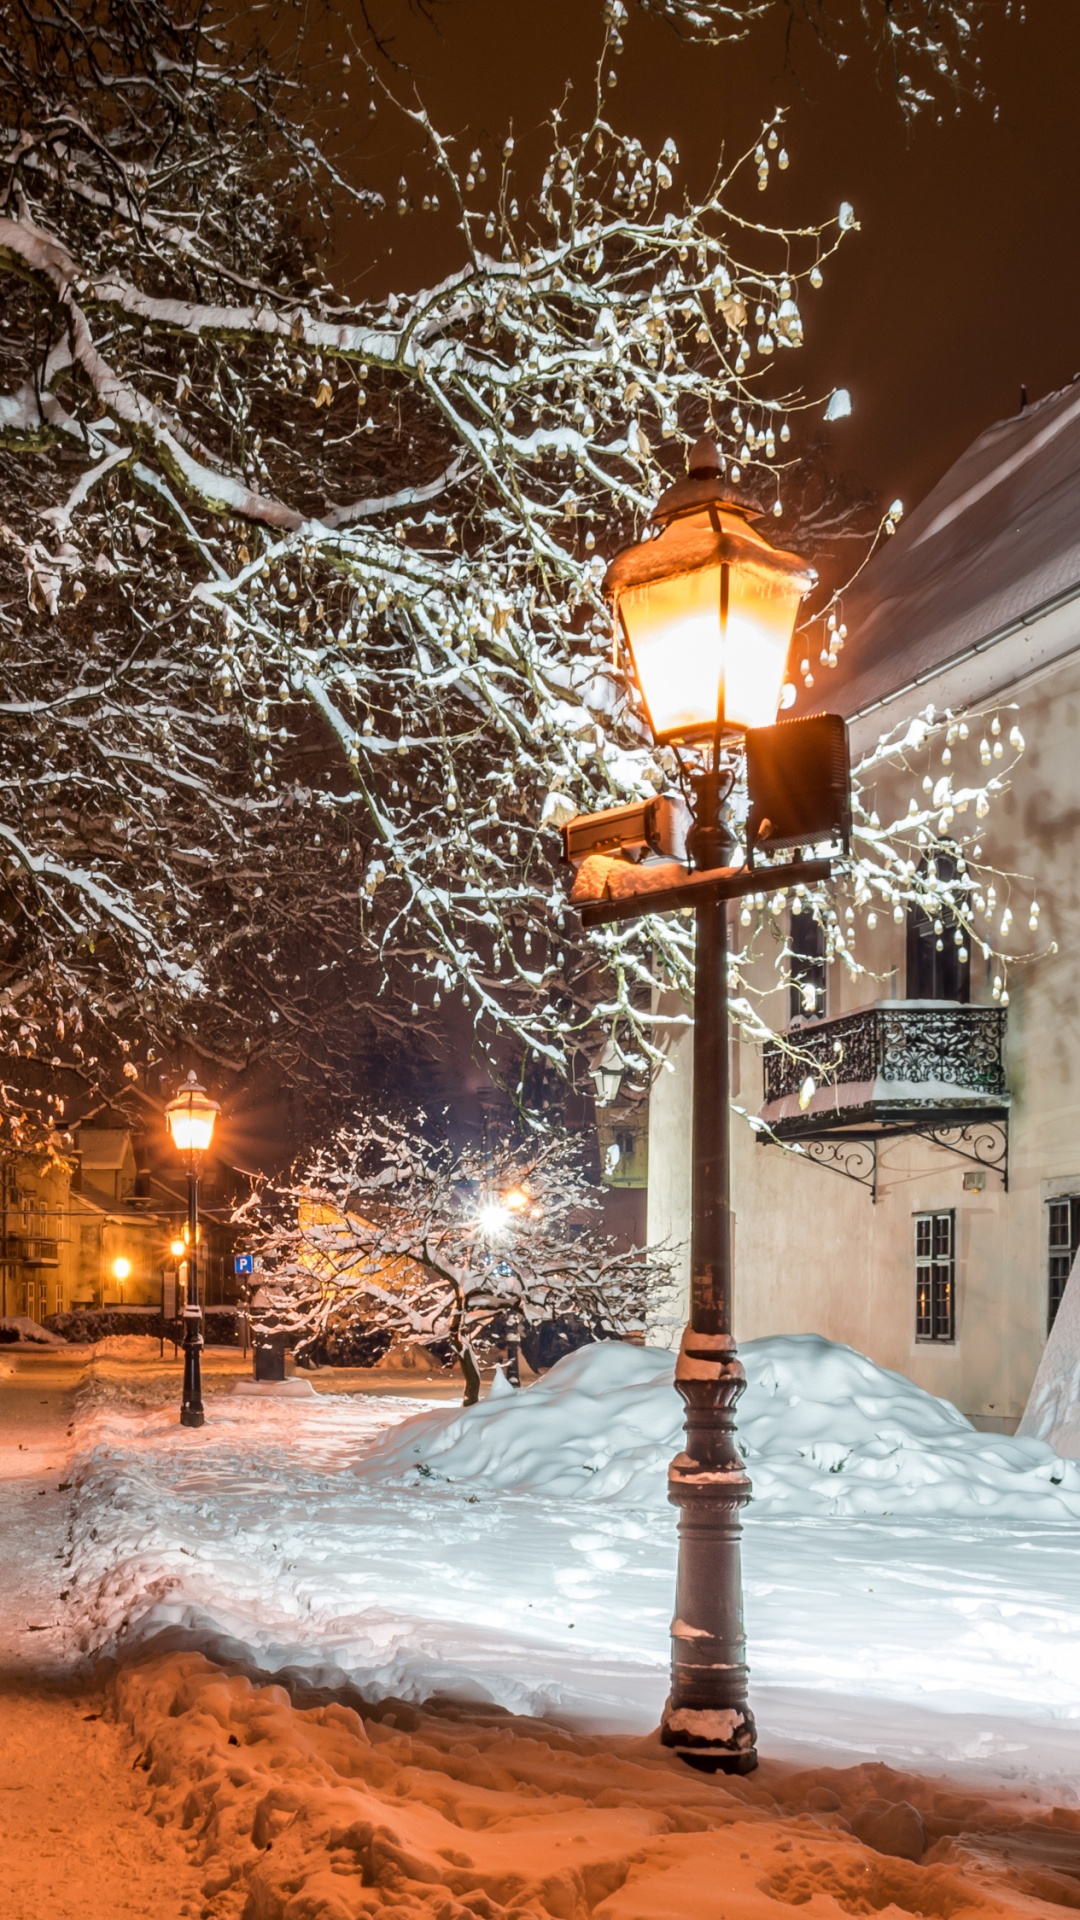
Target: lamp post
190, 1119
707, 609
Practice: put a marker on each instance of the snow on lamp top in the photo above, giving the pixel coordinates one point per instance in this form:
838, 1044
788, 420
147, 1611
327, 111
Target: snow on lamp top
707, 607
190, 1117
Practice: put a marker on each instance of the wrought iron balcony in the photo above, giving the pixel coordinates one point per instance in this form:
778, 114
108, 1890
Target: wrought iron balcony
836, 1088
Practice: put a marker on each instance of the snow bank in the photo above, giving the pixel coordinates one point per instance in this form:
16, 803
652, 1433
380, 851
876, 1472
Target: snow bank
27, 1329
824, 1430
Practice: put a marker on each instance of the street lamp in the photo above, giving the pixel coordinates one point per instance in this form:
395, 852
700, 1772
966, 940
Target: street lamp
607, 1075
190, 1119
707, 609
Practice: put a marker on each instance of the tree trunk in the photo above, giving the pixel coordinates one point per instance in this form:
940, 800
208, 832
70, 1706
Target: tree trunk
459, 1340
471, 1371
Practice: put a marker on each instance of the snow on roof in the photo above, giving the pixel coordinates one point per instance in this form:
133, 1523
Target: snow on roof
994, 542
105, 1148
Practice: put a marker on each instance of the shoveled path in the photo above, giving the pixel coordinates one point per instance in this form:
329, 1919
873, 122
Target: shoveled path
76, 1840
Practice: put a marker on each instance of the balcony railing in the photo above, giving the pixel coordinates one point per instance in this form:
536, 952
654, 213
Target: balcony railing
903, 1056
33, 1251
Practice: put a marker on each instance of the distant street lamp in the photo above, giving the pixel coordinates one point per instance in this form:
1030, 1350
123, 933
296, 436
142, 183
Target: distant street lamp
121, 1270
607, 1075
707, 609
190, 1118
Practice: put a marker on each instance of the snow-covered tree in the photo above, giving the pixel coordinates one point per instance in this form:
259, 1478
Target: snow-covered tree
387, 1230
925, 45
302, 651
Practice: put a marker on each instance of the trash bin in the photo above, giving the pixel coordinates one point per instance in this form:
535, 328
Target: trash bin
269, 1354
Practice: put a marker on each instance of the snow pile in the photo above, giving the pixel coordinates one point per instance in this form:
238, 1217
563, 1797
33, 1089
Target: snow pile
27, 1329
824, 1430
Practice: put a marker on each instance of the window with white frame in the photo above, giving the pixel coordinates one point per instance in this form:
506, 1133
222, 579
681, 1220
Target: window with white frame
935, 1277
1062, 1239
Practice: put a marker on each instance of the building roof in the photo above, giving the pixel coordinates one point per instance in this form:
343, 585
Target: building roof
996, 542
105, 1149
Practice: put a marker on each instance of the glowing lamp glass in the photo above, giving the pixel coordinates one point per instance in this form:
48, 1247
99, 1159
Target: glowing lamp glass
190, 1118
121, 1268
690, 661
177, 1249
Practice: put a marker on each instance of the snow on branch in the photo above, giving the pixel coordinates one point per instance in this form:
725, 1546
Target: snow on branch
302, 596
387, 1230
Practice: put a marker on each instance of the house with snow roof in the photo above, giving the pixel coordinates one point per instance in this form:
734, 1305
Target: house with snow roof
927, 1208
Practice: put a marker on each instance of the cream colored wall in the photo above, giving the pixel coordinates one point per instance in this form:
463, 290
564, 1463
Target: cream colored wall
813, 1253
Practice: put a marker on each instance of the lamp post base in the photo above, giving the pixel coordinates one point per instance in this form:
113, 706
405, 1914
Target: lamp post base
191, 1406
707, 1720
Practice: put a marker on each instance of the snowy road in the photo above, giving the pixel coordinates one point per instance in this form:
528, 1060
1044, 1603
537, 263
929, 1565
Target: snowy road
925, 1643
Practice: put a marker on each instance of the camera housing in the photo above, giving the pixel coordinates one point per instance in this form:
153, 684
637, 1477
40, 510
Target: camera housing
646, 829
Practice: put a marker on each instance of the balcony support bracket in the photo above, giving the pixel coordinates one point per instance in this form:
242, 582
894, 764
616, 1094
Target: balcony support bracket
853, 1151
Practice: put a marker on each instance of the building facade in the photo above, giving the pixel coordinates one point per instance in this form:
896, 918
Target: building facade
924, 1204
90, 1229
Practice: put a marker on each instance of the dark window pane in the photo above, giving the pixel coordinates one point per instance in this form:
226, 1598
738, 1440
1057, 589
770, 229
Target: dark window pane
807, 942
935, 970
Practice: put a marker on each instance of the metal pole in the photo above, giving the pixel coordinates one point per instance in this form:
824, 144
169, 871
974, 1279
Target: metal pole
707, 1719
191, 1406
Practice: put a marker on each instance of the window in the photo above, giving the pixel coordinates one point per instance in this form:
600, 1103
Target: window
1063, 1239
807, 976
935, 1276
935, 968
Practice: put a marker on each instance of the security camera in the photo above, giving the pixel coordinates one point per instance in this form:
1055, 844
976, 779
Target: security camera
645, 829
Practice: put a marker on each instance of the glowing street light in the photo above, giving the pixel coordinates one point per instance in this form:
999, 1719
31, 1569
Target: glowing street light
493, 1217
121, 1269
190, 1118
707, 609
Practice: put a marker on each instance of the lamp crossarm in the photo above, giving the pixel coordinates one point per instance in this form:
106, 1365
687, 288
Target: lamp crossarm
721, 883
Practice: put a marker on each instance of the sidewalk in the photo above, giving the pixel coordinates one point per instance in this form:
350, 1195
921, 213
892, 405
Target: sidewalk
76, 1842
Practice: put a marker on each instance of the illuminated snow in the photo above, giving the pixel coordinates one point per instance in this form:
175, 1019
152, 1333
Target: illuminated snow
306, 1534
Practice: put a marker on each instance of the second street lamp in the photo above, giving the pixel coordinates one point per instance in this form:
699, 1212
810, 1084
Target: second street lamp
190, 1118
707, 609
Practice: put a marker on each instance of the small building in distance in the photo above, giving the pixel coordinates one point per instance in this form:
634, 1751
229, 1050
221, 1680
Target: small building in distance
89, 1228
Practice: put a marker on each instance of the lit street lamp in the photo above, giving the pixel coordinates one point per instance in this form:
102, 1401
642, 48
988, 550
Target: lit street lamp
706, 608
190, 1119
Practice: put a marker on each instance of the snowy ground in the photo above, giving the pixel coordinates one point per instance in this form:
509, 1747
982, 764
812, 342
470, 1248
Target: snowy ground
912, 1587
520, 1554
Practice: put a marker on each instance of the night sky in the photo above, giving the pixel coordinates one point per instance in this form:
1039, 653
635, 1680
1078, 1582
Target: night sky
964, 279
